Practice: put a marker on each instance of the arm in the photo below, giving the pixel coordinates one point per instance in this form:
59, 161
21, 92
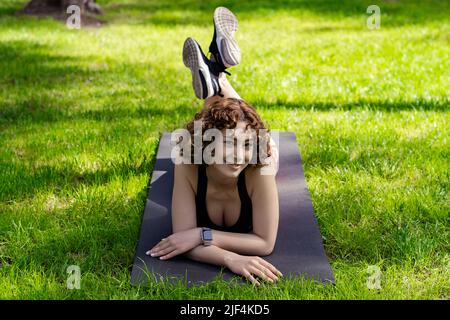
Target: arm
186, 238
187, 235
210, 254
242, 243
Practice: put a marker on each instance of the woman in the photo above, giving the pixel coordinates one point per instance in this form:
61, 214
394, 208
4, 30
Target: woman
224, 214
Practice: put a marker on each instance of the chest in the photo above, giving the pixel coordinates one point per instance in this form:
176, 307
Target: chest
223, 207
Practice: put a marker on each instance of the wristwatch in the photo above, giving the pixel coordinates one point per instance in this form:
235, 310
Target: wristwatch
206, 236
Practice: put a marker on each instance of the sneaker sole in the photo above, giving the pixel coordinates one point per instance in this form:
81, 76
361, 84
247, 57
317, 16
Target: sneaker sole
201, 78
226, 25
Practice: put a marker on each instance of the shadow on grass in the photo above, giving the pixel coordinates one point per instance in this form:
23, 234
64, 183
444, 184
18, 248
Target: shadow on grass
25, 61
45, 111
440, 105
197, 12
194, 12
28, 181
39, 76
43, 87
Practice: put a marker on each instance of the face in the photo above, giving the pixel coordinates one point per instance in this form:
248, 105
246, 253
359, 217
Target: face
236, 152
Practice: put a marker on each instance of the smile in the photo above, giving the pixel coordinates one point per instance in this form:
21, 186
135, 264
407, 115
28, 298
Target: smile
234, 166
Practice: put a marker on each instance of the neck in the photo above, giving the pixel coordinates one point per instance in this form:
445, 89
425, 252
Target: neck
218, 179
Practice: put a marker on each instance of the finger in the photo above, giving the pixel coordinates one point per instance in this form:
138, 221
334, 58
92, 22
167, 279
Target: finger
158, 247
170, 255
260, 274
268, 272
271, 267
251, 278
159, 244
163, 252
155, 247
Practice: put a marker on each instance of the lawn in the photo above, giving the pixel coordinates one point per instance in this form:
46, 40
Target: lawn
81, 112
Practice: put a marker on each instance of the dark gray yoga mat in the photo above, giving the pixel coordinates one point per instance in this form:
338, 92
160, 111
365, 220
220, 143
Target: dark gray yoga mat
298, 249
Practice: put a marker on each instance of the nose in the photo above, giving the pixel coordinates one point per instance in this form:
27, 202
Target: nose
240, 155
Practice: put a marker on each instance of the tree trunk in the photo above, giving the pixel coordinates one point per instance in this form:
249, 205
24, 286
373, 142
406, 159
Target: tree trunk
58, 10
66, 3
50, 7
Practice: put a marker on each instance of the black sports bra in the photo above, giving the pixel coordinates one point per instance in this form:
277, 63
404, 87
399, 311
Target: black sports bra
245, 222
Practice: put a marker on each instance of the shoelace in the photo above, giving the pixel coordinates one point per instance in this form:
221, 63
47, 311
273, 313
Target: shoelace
216, 67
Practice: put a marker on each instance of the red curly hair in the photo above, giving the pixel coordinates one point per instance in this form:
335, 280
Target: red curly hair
225, 114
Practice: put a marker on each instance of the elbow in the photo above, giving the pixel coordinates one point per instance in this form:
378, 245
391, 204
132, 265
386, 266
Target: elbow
266, 249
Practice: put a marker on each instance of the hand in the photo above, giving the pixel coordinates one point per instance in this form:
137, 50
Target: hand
249, 266
177, 243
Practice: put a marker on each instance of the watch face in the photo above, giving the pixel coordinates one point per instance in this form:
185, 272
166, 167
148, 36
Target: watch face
207, 235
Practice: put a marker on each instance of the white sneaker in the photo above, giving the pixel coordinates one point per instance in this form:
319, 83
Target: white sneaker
205, 74
223, 46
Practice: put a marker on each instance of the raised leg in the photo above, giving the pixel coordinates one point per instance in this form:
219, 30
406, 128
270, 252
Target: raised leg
226, 89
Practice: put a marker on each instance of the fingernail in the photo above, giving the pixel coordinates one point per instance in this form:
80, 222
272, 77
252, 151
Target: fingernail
147, 253
152, 254
161, 258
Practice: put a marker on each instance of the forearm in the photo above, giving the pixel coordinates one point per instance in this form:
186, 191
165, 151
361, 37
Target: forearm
224, 244
210, 254
242, 243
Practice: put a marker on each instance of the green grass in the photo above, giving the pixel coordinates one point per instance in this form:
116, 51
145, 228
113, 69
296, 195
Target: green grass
81, 112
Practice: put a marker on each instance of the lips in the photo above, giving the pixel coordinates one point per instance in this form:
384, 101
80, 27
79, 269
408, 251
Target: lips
234, 166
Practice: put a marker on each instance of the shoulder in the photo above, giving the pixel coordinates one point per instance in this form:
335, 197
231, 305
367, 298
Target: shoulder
186, 173
258, 177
